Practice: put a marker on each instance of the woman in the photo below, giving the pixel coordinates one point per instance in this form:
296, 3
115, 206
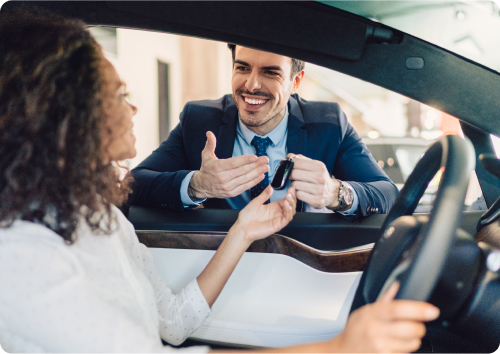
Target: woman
73, 275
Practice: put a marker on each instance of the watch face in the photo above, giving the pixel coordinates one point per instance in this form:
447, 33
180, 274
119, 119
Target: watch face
345, 195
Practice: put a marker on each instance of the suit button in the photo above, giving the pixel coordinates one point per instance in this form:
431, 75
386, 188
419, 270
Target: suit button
371, 210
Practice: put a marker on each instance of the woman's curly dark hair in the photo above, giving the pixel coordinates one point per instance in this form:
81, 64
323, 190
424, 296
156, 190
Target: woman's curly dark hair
52, 169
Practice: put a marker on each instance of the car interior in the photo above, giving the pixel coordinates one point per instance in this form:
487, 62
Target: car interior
301, 284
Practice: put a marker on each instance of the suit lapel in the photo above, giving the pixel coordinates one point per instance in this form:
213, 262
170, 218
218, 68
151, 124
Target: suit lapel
296, 141
227, 132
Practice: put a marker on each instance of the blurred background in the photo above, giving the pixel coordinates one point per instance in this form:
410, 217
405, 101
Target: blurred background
164, 71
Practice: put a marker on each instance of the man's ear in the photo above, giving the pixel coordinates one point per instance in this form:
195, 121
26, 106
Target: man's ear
297, 80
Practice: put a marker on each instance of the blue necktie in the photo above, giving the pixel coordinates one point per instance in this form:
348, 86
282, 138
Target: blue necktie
260, 146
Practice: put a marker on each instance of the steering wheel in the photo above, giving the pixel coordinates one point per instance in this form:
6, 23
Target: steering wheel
413, 250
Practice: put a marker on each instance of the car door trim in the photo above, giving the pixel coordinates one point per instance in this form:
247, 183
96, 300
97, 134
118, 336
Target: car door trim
351, 260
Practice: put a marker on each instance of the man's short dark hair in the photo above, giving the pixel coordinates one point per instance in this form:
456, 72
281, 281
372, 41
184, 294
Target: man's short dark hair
297, 65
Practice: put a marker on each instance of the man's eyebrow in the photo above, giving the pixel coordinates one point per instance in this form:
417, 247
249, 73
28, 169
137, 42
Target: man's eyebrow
237, 61
269, 67
273, 67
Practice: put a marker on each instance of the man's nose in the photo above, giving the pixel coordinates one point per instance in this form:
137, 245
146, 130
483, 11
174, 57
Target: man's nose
253, 82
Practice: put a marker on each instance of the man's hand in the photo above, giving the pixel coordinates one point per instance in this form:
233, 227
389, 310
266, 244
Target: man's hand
258, 220
225, 178
386, 326
313, 183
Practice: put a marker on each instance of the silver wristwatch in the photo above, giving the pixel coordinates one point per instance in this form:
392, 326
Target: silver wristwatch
346, 196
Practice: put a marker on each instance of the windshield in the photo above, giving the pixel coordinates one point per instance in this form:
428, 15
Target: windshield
468, 28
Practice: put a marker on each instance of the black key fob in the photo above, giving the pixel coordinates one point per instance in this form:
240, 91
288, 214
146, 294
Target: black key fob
282, 173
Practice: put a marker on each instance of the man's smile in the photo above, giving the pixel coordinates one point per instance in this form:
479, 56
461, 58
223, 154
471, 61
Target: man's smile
254, 103
254, 100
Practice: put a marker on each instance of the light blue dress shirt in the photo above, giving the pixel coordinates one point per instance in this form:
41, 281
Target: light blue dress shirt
276, 152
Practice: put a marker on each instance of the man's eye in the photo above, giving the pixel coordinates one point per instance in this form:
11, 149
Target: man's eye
272, 73
242, 68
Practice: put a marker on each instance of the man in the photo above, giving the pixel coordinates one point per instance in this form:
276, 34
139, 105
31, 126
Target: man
224, 152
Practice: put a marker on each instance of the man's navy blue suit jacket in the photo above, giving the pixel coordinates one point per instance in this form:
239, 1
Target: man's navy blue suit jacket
318, 130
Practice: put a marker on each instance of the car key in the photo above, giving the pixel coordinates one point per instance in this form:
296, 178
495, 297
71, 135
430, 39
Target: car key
282, 173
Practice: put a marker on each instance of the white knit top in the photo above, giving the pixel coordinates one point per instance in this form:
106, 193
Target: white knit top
101, 294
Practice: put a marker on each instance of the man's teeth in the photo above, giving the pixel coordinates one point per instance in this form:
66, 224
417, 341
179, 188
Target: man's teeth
254, 101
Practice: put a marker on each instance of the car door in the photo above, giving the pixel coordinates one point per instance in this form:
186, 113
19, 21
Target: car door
297, 286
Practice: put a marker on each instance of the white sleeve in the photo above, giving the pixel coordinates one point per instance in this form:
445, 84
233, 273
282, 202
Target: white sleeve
48, 304
180, 314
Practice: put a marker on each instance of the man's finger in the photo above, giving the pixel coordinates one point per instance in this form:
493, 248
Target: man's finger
299, 156
246, 169
209, 150
310, 188
246, 186
304, 176
306, 164
238, 161
244, 178
306, 198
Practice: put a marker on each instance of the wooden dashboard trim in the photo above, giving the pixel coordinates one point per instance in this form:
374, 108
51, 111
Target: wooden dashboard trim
325, 261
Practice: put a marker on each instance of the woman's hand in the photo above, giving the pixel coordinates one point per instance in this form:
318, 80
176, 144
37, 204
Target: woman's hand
386, 326
258, 220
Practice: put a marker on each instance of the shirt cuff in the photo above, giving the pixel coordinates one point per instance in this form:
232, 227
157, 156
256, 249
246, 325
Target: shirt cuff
355, 203
187, 202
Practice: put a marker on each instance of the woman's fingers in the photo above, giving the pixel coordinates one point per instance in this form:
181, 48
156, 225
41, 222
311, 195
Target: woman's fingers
292, 198
406, 309
407, 330
262, 197
387, 325
390, 294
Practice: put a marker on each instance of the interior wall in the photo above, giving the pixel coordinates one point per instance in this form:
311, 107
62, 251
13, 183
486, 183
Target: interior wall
199, 69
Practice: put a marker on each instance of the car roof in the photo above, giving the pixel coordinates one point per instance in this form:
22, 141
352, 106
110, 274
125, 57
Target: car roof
320, 34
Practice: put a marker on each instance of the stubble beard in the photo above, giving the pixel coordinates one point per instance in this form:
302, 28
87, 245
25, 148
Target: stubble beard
246, 116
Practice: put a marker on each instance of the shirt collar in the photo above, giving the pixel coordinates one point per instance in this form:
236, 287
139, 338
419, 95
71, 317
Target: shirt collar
275, 135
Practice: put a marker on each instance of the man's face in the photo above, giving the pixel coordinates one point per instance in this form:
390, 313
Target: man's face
261, 86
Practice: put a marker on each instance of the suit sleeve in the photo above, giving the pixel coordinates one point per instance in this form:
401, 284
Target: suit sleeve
157, 179
355, 165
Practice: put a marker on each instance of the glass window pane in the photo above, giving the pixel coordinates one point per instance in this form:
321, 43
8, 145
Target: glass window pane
396, 129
